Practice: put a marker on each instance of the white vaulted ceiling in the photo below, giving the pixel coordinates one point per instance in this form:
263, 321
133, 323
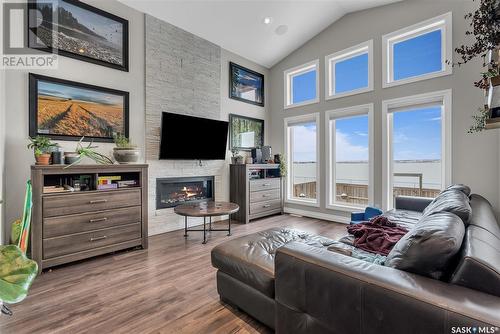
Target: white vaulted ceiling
237, 25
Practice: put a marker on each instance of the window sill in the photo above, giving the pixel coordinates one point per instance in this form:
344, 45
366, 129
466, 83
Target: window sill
301, 104
428, 76
350, 93
345, 208
313, 203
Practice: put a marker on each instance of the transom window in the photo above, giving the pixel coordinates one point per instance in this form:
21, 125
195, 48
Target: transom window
302, 153
418, 52
350, 71
417, 145
301, 85
350, 157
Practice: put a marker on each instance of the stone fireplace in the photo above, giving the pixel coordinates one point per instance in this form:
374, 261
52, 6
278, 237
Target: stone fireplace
174, 191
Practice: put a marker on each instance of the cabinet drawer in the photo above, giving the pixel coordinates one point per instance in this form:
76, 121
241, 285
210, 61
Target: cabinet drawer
57, 226
82, 203
264, 206
265, 195
74, 243
264, 184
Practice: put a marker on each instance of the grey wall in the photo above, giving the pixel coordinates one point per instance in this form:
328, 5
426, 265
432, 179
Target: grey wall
187, 75
475, 158
17, 158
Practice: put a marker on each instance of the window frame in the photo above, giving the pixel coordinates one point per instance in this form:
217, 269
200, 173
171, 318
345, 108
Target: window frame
295, 120
441, 22
334, 58
394, 105
359, 110
288, 83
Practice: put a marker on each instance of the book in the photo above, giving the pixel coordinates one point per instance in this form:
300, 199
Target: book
107, 186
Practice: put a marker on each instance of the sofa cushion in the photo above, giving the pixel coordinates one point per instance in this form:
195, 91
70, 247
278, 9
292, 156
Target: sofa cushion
453, 201
250, 258
404, 218
429, 247
460, 187
483, 215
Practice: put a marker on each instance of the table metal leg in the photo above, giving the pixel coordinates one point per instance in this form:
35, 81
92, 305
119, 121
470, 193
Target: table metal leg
185, 226
229, 229
210, 228
204, 230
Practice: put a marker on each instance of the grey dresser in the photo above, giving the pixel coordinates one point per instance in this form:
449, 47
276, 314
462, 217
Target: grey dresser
257, 189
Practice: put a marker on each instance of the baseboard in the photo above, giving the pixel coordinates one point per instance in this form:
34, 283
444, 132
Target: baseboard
318, 215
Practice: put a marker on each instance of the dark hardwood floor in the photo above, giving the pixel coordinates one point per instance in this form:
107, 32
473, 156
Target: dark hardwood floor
169, 288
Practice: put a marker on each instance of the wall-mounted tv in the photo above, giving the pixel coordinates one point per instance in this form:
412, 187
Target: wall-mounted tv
192, 138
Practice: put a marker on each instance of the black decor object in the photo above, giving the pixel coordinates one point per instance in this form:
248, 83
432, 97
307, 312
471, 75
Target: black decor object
257, 155
68, 110
246, 85
246, 132
83, 32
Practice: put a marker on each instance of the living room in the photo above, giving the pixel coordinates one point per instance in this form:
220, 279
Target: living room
254, 167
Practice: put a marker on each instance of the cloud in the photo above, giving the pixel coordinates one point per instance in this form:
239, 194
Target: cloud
360, 133
304, 145
434, 119
399, 137
347, 151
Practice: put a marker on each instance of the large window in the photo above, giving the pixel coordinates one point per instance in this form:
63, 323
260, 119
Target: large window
302, 142
350, 157
417, 139
302, 85
418, 52
350, 71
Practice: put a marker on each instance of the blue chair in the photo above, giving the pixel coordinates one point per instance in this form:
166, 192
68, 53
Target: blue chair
369, 213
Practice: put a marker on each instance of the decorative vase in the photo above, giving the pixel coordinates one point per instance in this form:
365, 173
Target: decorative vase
71, 157
43, 159
126, 155
240, 160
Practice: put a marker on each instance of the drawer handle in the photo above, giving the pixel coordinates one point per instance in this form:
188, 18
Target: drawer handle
266, 195
98, 238
98, 201
98, 220
266, 206
266, 184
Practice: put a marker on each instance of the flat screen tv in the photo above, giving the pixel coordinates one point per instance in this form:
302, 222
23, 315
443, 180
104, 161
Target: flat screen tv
192, 138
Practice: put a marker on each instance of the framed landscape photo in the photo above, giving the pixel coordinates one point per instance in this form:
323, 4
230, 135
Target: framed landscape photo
245, 133
67, 110
246, 85
74, 29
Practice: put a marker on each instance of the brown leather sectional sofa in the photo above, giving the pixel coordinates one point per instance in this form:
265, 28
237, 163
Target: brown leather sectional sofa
443, 278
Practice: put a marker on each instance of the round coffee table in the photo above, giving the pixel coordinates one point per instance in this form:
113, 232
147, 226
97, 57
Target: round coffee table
206, 209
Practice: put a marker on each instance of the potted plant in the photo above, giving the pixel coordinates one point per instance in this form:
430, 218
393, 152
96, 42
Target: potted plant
125, 152
86, 151
41, 146
237, 158
282, 163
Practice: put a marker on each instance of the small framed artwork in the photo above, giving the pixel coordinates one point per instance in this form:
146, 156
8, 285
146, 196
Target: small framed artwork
246, 85
67, 110
245, 132
77, 30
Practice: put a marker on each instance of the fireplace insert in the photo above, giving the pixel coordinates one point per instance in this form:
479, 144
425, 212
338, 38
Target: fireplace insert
171, 192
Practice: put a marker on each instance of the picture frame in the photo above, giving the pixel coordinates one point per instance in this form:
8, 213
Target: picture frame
68, 110
245, 133
90, 34
246, 85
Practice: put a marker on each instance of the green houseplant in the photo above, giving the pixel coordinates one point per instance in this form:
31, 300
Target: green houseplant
41, 146
237, 158
124, 151
89, 152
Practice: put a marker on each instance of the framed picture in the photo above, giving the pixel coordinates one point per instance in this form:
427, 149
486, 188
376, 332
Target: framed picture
245, 133
67, 110
74, 29
246, 85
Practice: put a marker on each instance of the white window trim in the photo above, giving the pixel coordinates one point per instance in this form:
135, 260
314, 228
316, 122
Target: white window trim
360, 110
331, 60
288, 88
388, 107
443, 23
315, 117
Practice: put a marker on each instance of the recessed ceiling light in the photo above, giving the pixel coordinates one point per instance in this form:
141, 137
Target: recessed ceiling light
267, 20
281, 30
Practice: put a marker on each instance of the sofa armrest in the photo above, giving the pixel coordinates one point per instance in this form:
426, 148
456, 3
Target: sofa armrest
322, 291
412, 203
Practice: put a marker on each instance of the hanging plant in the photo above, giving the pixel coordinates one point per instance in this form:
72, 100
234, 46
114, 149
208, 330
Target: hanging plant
485, 29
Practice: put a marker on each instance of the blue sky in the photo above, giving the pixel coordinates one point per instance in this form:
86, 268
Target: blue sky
75, 93
351, 74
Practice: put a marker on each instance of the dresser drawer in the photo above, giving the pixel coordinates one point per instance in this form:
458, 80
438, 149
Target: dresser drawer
264, 184
264, 195
58, 226
260, 207
74, 243
87, 202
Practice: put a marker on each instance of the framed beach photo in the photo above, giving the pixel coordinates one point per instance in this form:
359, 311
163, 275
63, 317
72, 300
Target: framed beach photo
245, 133
246, 85
67, 110
74, 29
